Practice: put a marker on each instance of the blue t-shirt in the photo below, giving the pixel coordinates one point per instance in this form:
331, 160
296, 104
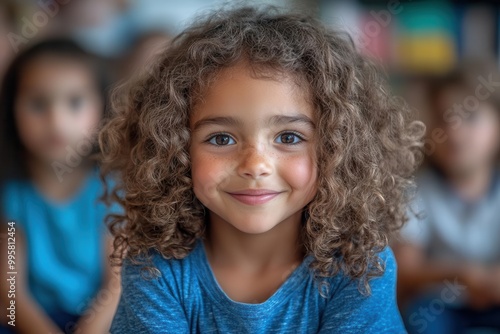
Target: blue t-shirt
187, 298
65, 242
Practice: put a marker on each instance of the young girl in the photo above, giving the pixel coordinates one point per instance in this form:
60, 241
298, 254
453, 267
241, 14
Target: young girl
264, 168
52, 104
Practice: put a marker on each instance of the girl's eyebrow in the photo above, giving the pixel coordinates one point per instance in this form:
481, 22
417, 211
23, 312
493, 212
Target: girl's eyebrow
273, 120
297, 118
219, 120
33, 90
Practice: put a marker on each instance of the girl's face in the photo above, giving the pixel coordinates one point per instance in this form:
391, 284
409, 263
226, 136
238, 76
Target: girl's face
57, 108
253, 134
471, 143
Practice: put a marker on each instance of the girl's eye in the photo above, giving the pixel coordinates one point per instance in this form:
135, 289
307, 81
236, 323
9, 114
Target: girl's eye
221, 140
38, 105
76, 102
473, 118
289, 138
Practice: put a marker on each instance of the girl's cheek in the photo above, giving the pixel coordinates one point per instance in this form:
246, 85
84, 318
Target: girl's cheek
300, 173
210, 175
31, 131
485, 138
88, 121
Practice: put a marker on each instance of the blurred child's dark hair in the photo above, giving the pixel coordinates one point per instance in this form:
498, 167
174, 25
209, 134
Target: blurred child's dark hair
11, 147
369, 145
9, 12
464, 78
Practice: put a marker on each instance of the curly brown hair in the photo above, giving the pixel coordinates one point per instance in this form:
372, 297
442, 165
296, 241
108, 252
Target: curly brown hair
370, 145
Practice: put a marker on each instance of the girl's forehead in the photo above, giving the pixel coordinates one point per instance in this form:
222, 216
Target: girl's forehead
50, 74
241, 89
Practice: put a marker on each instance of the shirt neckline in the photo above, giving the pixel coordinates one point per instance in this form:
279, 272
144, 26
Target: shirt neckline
489, 195
299, 276
71, 200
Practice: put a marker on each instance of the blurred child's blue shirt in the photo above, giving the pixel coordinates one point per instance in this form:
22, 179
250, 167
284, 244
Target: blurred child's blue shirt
188, 299
65, 242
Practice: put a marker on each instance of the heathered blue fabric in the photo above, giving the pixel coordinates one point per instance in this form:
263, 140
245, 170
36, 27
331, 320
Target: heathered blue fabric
186, 298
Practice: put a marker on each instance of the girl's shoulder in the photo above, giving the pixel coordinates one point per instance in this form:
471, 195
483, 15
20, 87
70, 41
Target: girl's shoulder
342, 283
349, 309
13, 193
165, 269
157, 283
13, 186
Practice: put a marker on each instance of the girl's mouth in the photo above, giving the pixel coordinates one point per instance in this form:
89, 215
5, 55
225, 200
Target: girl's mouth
254, 196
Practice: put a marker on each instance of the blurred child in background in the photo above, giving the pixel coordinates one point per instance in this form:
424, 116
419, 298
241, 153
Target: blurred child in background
449, 256
142, 53
52, 103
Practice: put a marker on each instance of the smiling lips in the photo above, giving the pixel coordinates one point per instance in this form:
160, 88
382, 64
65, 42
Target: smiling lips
254, 196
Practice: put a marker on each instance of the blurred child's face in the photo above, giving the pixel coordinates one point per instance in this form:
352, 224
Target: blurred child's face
252, 133
57, 107
472, 142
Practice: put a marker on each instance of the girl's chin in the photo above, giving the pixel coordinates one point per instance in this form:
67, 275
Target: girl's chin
250, 230
254, 227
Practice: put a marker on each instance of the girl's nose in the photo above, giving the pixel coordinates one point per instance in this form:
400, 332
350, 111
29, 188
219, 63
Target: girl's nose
57, 118
254, 163
61, 121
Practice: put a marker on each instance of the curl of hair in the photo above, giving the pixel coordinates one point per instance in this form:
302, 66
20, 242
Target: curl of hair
368, 149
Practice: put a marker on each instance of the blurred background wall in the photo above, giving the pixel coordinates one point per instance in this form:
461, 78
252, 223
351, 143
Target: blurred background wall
413, 39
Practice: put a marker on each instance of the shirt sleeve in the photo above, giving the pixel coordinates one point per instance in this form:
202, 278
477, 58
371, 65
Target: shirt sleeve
147, 305
348, 311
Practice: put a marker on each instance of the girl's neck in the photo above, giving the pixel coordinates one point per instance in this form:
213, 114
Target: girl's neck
228, 246
473, 186
45, 179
